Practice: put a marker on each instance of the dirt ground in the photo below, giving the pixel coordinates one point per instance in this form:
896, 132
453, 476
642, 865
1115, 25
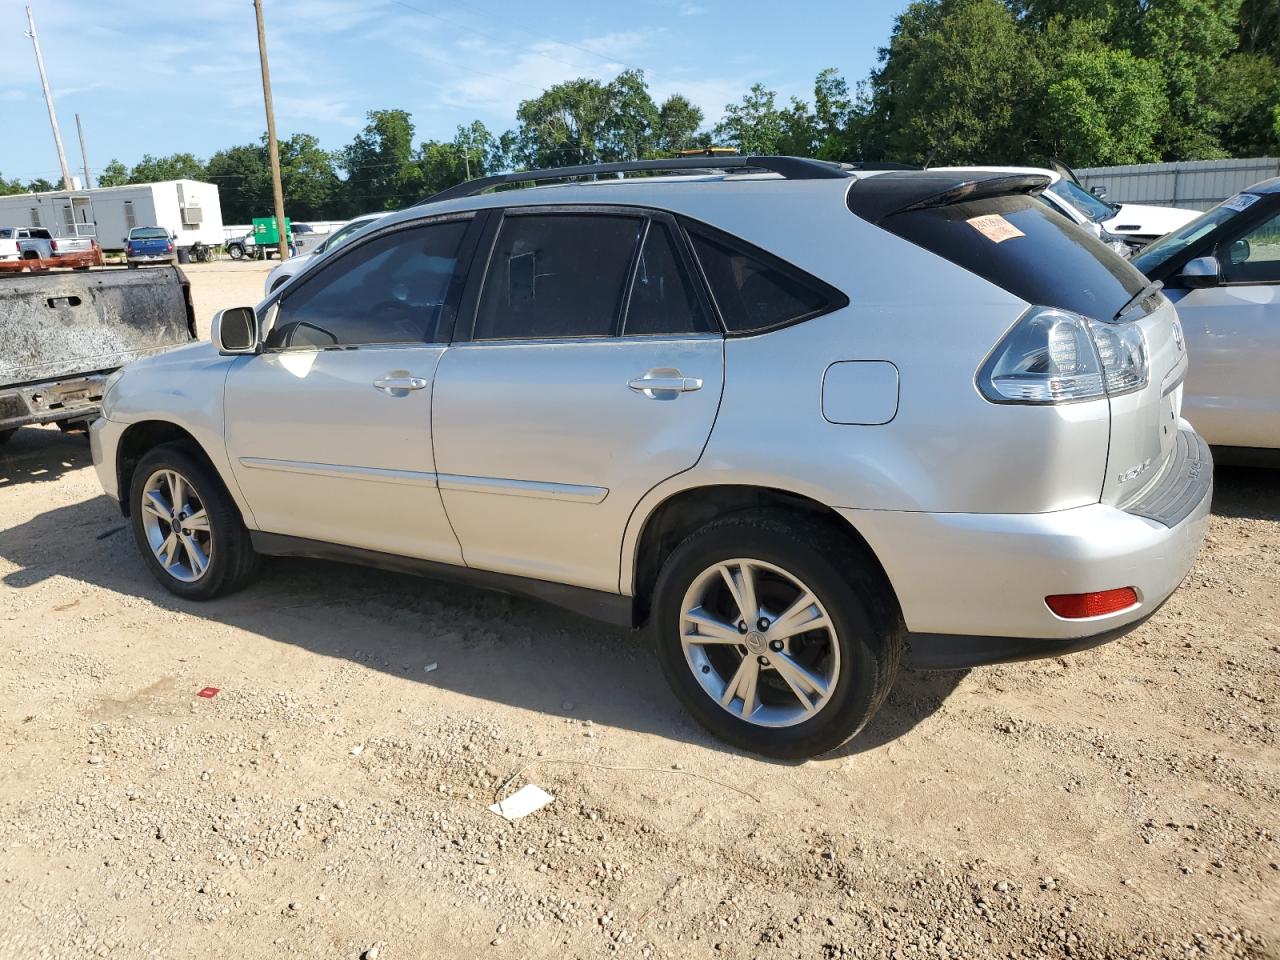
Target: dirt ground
330, 800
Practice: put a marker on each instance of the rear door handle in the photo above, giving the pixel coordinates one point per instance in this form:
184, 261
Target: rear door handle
652, 386
400, 386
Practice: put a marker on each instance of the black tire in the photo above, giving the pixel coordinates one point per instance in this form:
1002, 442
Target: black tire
868, 627
232, 561
132, 266
235, 251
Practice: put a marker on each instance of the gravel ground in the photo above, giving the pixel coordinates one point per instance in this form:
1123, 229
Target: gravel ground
330, 800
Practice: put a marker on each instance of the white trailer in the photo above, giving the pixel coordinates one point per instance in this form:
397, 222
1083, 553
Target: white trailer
188, 209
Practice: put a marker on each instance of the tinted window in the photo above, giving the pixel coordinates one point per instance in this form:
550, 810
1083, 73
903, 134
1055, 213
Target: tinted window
1255, 257
755, 290
557, 275
148, 233
390, 290
1034, 253
1153, 258
663, 299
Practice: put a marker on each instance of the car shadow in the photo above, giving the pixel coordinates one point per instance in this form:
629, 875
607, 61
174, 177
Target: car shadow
482, 644
1246, 493
39, 454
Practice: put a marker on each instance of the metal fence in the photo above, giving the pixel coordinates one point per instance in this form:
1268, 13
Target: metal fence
1194, 184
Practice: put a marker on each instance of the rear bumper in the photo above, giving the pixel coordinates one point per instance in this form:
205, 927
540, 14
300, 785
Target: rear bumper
150, 258
972, 586
76, 398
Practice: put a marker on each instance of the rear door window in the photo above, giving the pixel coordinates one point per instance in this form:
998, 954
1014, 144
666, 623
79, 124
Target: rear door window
1018, 244
754, 290
663, 297
557, 275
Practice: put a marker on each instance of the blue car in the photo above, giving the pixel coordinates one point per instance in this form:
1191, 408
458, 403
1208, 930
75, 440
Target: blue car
148, 245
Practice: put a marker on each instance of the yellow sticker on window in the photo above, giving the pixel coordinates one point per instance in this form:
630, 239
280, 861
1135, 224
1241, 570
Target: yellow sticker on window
995, 228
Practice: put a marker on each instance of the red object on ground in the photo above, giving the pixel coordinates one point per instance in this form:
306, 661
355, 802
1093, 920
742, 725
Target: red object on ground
208, 693
1081, 606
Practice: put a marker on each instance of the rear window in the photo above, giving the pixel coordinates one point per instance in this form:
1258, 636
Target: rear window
148, 233
1019, 244
6, 233
754, 290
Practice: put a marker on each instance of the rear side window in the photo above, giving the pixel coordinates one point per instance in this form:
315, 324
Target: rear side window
663, 298
392, 289
1018, 244
557, 275
755, 290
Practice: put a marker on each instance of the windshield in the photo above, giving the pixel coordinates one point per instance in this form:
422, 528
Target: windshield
1082, 200
148, 233
1171, 244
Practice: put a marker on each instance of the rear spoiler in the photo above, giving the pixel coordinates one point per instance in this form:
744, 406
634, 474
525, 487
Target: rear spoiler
878, 197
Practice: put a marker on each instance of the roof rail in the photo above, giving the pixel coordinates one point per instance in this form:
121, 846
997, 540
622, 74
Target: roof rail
791, 168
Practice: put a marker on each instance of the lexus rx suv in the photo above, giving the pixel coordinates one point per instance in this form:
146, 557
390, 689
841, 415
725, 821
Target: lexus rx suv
793, 418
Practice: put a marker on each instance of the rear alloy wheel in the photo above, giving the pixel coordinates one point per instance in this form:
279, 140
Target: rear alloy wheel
235, 251
187, 526
774, 634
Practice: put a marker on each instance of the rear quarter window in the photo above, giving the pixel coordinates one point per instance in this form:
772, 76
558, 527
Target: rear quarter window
755, 290
1044, 259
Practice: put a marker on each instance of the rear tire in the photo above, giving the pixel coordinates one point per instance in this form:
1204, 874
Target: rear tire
235, 251
811, 690
197, 547
7, 435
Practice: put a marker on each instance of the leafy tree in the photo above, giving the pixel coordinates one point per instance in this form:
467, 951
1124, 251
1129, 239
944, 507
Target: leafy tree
178, 166
307, 177
1102, 105
8, 187
1260, 27
243, 176
114, 174
379, 163
566, 124
755, 125
678, 123
836, 118
41, 185
1245, 95
953, 85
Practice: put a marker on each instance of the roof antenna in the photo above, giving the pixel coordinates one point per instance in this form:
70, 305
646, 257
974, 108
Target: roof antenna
951, 128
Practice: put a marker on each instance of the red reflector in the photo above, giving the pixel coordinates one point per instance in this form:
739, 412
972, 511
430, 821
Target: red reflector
1080, 606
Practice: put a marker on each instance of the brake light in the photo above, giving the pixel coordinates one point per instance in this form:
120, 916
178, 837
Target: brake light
53, 245
1056, 356
1082, 606
168, 247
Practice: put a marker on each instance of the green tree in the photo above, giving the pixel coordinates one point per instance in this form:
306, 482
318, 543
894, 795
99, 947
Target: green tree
381, 170
755, 125
8, 187
566, 124
177, 166
1260, 27
678, 124
1245, 94
114, 174
243, 177
955, 85
1102, 105
308, 179
41, 185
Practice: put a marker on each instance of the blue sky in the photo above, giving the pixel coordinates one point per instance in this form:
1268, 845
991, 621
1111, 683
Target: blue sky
161, 77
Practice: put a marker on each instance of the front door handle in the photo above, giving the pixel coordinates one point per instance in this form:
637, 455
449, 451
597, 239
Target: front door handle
656, 384
400, 386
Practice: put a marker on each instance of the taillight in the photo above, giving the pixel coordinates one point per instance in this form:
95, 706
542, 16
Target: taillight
168, 247
1082, 606
1056, 356
53, 245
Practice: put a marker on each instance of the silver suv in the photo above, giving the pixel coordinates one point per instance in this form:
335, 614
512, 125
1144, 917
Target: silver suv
795, 418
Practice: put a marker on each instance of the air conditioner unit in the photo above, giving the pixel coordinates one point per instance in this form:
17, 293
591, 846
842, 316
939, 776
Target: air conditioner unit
192, 216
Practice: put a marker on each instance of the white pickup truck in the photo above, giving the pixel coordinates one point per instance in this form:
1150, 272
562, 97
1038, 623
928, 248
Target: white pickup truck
37, 243
9, 245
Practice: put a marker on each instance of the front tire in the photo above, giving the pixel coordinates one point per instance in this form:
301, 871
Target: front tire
235, 251
187, 527
777, 635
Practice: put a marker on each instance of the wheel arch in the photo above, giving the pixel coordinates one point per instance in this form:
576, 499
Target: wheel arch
684, 511
145, 435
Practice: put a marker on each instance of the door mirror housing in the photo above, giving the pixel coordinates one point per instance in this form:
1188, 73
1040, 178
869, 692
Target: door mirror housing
1239, 251
1100, 192
235, 331
1201, 272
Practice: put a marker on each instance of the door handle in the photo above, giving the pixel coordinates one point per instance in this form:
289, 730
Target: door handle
651, 386
400, 386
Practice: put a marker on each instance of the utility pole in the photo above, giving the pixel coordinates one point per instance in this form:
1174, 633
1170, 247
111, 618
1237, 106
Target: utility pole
273, 148
48, 99
84, 155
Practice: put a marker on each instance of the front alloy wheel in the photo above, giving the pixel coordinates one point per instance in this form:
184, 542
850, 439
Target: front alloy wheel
759, 642
176, 525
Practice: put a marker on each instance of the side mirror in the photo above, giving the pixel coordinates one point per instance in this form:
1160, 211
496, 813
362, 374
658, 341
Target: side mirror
1239, 251
1201, 272
235, 331
1100, 192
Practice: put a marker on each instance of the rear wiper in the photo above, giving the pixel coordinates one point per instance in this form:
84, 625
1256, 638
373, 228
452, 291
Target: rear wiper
1155, 286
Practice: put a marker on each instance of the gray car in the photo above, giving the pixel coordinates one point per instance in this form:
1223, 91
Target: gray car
795, 420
